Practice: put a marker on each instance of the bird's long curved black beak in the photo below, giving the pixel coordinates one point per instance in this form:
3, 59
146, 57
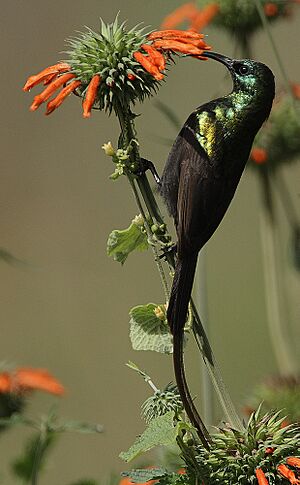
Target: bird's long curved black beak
219, 57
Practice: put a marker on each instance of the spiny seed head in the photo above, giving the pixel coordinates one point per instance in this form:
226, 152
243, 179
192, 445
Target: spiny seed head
109, 53
161, 402
234, 455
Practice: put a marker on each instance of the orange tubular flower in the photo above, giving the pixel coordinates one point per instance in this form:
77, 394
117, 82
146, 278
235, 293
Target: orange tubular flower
169, 34
296, 90
270, 9
178, 46
285, 472
293, 461
50, 89
4, 382
56, 102
43, 75
261, 477
27, 379
187, 11
90, 96
148, 65
156, 57
204, 16
259, 155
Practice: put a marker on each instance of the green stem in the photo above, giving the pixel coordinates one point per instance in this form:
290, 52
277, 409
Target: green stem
275, 50
38, 457
274, 291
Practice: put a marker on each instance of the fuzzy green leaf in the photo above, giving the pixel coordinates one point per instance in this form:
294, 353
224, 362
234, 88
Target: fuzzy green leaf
142, 475
121, 243
148, 332
161, 431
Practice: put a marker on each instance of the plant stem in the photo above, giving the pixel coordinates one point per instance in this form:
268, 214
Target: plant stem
275, 50
38, 457
273, 287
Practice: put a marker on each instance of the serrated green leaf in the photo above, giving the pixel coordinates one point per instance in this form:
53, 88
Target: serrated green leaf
142, 475
121, 243
148, 332
161, 432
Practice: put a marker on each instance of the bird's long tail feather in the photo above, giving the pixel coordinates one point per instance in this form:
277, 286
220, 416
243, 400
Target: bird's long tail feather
177, 312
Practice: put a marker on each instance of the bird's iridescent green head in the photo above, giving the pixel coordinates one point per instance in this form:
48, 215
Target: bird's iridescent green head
249, 77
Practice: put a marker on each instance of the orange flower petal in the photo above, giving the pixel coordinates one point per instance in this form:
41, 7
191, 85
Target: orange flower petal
293, 461
5, 382
285, 472
178, 46
259, 155
169, 34
38, 78
50, 89
148, 65
50, 78
57, 101
296, 90
156, 57
90, 96
185, 12
270, 9
36, 379
205, 16
261, 477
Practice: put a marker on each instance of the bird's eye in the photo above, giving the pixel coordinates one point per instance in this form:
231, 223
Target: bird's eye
242, 69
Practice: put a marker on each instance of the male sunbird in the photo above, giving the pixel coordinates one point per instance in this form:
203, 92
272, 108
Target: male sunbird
199, 180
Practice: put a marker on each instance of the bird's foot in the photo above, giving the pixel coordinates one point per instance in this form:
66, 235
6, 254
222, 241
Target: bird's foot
148, 165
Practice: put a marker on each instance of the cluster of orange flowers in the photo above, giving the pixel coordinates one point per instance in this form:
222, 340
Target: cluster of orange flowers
152, 59
199, 18
283, 470
25, 379
189, 12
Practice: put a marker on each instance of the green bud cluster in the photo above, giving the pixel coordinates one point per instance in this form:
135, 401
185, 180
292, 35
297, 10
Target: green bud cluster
280, 136
279, 393
161, 402
234, 456
240, 16
109, 53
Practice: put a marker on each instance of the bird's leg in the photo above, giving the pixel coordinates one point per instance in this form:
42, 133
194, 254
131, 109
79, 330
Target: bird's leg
147, 165
169, 252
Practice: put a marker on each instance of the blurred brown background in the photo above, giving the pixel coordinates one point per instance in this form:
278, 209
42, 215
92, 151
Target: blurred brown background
67, 309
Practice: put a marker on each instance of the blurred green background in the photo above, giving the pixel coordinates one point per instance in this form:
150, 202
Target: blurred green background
67, 309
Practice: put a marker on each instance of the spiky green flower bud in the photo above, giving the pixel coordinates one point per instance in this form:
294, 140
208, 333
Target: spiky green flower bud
109, 53
161, 402
235, 456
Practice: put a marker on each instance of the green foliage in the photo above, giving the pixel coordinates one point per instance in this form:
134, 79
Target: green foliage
161, 402
149, 331
280, 136
141, 475
161, 431
240, 17
10, 404
33, 456
279, 393
121, 243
